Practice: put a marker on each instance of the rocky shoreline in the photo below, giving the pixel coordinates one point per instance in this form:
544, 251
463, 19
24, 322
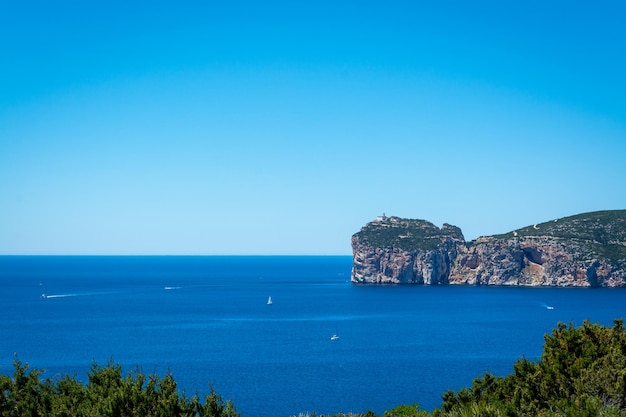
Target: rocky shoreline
586, 250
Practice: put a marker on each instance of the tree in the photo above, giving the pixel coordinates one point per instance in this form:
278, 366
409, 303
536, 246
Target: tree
582, 372
108, 393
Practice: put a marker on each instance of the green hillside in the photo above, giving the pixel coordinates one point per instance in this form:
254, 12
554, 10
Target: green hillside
601, 233
406, 234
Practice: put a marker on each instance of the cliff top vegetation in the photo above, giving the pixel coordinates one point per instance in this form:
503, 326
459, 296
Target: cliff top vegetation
406, 234
601, 234
608, 226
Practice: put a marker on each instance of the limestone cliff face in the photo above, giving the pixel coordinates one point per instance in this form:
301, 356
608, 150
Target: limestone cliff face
533, 261
397, 251
587, 250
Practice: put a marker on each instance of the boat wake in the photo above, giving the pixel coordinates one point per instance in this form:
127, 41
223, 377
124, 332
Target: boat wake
58, 295
82, 294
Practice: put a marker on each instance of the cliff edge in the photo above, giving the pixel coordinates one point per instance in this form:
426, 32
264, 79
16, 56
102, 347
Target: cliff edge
586, 250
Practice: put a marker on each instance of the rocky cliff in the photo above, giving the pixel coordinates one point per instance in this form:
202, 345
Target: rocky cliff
395, 250
586, 250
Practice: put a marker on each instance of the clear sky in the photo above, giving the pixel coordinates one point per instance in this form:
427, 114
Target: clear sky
282, 127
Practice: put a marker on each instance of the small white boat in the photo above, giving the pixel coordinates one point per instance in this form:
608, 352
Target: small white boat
550, 308
269, 301
335, 336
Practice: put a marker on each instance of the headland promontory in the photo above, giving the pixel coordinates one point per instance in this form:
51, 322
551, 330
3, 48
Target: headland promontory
584, 250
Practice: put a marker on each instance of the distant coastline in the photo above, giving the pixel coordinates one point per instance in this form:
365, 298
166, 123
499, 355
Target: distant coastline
585, 250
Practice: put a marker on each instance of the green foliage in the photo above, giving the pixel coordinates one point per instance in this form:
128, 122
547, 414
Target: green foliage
108, 393
24, 395
407, 234
406, 411
600, 234
582, 372
601, 226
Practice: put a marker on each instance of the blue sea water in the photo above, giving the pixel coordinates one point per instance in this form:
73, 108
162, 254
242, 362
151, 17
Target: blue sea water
206, 319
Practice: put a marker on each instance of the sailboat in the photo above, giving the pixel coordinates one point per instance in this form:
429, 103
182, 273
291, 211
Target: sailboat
269, 300
335, 336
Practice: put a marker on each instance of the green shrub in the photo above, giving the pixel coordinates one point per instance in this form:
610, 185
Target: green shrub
582, 372
108, 393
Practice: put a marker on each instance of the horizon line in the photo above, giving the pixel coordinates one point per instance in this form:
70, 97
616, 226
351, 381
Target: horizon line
166, 255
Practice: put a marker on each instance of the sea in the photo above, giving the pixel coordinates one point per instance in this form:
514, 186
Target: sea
207, 320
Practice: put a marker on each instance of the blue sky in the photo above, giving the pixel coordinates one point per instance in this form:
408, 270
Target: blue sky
283, 127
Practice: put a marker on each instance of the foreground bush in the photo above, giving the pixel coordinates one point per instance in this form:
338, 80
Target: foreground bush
108, 393
582, 372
